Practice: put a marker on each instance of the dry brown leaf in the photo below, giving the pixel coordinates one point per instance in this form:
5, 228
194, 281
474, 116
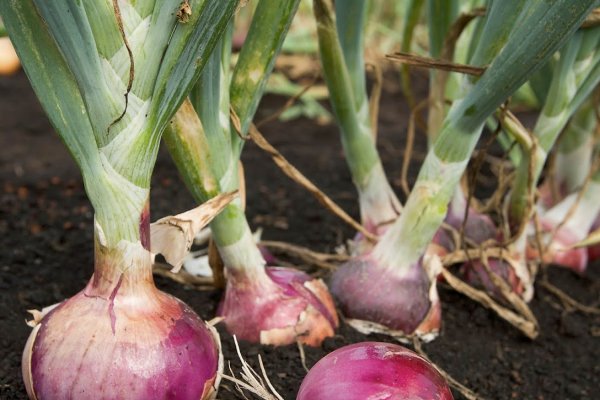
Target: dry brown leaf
297, 176
173, 236
312, 257
593, 19
528, 327
431, 63
375, 97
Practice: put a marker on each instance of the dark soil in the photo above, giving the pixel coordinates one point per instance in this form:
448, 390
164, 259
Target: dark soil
46, 256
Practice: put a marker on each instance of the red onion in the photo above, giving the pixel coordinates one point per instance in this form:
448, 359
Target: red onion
278, 307
380, 298
477, 229
373, 370
121, 338
477, 275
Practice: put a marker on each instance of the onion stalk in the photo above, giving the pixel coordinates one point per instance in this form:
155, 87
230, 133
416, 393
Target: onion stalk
574, 157
362, 284
373, 370
341, 46
120, 337
268, 305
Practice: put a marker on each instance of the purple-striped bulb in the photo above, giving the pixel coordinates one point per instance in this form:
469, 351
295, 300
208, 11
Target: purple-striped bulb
388, 300
121, 338
373, 370
278, 307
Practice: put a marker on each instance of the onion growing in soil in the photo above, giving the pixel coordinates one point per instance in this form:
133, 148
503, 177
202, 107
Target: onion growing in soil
373, 370
274, 306
121, 337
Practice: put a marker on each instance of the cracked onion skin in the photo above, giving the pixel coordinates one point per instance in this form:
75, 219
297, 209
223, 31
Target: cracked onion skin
373, 370
121, 338
403, 302
279, 306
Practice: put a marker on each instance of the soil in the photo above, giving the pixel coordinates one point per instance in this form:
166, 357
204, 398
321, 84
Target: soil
46, 256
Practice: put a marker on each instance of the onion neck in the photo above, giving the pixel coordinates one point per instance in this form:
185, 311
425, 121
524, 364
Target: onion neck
236, 244
378, 202
125, 267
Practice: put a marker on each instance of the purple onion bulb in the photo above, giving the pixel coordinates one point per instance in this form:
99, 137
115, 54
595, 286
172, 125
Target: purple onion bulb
278, 307
121, 339
402, 302
373, 370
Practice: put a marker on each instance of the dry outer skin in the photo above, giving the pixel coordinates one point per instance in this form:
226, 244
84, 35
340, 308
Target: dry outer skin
46, 242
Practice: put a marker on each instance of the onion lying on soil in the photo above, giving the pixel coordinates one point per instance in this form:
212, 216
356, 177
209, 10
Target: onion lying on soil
373, 370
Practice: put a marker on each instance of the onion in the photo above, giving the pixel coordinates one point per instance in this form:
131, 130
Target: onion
373, 370
379, 298
122, 338
477, 229
477, 275
278, 306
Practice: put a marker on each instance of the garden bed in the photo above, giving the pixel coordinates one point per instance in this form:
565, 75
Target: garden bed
46, 241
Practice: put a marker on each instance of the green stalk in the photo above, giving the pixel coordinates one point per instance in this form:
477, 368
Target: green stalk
575, 75
575, 149
269, 27
356, 137
350, 27
411, 20
539, 31
347, 93
207, 151
80, 68
441, 15
210, 99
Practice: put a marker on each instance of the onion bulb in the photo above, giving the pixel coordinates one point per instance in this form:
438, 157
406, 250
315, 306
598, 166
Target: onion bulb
277, 306
121, 338
379, 298
373, 370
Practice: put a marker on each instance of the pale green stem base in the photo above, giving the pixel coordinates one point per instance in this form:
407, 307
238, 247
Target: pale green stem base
235, 242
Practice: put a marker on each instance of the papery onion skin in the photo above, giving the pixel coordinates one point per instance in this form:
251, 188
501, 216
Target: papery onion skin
367, 291
373, 370
560, 250
278, 308
139, 344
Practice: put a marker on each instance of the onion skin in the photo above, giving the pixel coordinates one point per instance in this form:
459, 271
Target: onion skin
404, 302
278, 308
560, 251
121, 338
373, 370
